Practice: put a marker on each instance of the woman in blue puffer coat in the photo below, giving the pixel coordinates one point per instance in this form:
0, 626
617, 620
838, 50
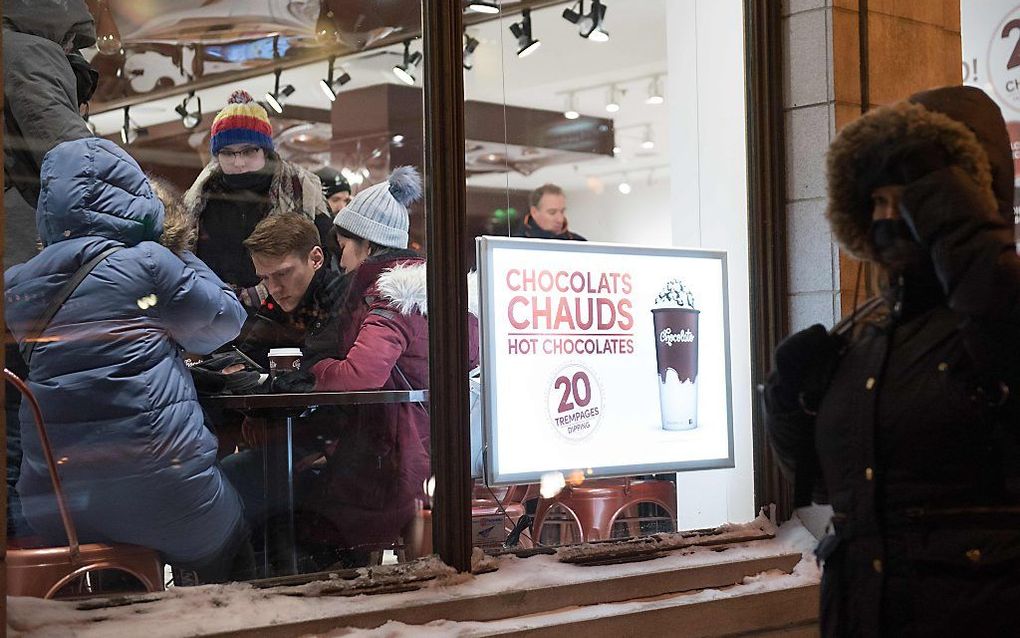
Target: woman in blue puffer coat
136, 460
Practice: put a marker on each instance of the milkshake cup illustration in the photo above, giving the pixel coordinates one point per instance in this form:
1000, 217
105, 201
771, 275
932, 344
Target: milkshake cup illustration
676, 352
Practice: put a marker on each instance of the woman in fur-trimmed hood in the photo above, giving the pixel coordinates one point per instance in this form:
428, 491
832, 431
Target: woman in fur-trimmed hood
376, 474
911, 426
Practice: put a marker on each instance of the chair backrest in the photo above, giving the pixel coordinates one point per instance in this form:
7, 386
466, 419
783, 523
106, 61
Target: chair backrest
44, 442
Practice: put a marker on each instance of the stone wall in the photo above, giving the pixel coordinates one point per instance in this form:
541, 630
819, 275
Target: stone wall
912, 45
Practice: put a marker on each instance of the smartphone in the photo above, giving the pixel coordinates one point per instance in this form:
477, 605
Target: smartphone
248, 359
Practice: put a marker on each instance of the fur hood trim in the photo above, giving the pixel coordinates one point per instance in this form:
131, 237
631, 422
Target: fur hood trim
868, 142
404, 287
281, 191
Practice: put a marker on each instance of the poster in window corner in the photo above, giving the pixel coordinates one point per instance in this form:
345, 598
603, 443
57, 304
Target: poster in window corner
605, 359
990, 35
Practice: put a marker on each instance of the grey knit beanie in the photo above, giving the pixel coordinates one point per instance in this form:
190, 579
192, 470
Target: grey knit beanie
379, 213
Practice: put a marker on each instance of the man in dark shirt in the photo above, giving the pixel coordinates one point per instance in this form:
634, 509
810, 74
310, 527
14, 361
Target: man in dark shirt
303, 294
547, 217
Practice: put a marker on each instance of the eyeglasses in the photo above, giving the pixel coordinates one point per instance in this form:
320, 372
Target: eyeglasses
246, 154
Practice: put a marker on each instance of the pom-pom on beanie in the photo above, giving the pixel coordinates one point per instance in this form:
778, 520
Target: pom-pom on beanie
379, 212
242, 121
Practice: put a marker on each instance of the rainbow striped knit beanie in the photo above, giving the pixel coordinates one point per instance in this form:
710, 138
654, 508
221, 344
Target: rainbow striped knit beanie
242, 121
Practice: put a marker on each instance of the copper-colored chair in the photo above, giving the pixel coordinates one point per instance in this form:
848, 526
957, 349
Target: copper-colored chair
75, 570
606, 508
492, 520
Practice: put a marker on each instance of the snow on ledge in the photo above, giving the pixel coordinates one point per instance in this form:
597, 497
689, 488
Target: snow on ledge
194, 611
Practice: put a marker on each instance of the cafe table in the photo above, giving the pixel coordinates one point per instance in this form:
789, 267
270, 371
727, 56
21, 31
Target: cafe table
280, 410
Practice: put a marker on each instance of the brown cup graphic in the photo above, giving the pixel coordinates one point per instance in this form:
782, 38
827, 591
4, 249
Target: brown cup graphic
284, 360
676, 352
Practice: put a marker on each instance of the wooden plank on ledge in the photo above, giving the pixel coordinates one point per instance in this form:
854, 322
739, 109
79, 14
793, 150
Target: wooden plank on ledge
538, 600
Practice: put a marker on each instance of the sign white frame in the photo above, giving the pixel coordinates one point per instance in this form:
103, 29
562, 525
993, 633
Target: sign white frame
485, 247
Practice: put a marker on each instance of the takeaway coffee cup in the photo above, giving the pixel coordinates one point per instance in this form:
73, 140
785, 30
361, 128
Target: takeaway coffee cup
284, 360
676, 353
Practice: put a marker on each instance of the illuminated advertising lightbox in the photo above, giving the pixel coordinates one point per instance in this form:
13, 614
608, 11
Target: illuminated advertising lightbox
605, 359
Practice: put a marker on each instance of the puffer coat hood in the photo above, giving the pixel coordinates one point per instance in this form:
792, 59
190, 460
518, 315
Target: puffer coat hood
92, 187
53, 20
962, 121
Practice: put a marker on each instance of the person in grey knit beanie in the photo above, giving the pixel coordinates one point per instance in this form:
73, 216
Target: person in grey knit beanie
379, 213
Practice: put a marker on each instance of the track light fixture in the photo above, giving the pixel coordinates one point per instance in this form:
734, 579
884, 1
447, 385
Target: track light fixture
190, 110
613, 99
591, 25
571, 111
479, 6
470, 44
405, 70
522, 31
655, 91
624, 186
279, 96
331, 84
647, 142
130, 131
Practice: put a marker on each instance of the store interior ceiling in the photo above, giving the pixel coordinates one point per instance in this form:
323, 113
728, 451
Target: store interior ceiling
565, 67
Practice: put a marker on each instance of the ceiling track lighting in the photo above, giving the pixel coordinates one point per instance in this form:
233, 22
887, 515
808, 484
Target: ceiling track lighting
130, 131
591, 25
190, 110
332, 83
647, 142
479, 6
655, 91
470, 44
613, 99
405, 70
279, 96
522, 31
571, 111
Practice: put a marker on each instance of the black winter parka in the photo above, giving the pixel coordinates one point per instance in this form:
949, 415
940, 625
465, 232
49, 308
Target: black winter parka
918, 434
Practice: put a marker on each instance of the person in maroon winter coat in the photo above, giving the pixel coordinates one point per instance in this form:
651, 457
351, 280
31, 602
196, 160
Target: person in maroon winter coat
374, 479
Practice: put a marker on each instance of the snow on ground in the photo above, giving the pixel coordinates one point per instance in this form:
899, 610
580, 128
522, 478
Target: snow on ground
192, 611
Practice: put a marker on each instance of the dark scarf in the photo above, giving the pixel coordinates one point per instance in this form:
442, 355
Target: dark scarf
531, 229
321, 301
913, 287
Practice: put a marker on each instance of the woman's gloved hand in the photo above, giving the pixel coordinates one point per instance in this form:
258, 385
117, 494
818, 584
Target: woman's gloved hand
803, 367
296, 381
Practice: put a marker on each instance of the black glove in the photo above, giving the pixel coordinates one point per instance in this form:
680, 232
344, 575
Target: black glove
207, 382
296, 381
210, 379
804, 365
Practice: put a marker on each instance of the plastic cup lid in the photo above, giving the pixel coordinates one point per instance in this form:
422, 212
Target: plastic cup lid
285, 352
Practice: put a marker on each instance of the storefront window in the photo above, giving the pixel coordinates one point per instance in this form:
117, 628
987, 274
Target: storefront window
632, 119
601, 122
242, 119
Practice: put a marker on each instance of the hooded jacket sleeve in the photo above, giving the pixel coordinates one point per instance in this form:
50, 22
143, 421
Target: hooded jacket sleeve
40, 94
199, 311
370, 361
972, 249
